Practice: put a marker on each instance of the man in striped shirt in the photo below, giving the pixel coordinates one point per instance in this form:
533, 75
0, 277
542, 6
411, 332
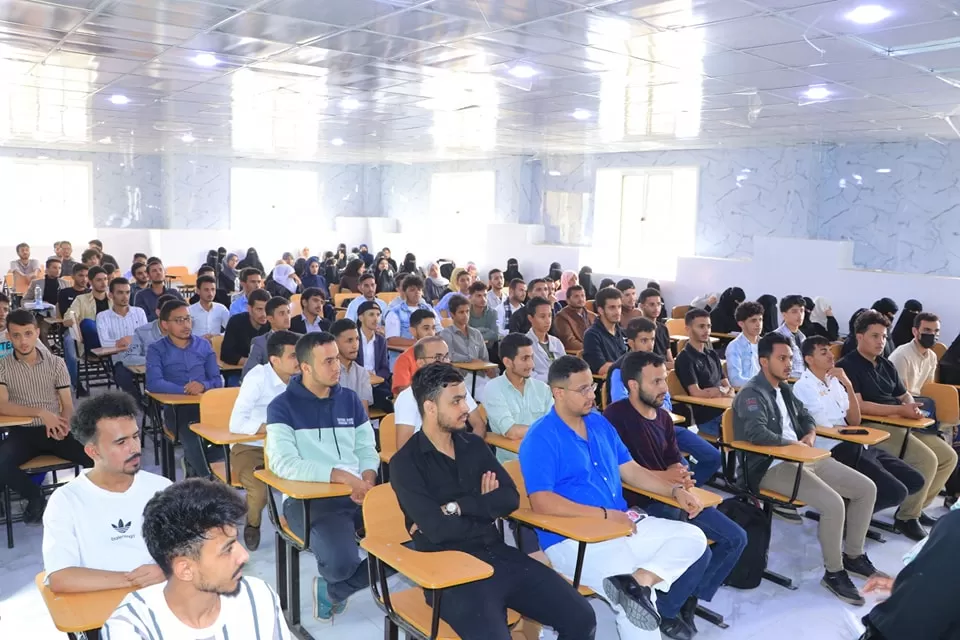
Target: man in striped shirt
115, 326
191, 532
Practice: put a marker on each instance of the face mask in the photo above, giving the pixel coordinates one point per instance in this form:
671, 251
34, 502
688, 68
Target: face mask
927, 340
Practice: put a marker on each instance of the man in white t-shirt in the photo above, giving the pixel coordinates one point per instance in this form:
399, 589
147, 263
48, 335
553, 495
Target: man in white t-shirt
209, 318
191, 531
406, 413
92, 537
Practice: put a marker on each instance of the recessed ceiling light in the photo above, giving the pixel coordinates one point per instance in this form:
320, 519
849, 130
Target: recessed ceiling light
522, 71
581, 114
206, 60
883, 170
187, 137
553, 173
817, 92
43, 157
337, 142
119, 99
350, 103
106, 140
869, 14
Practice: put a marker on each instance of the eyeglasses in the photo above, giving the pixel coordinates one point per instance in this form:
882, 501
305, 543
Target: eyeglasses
181, 320
440, 357
587, 391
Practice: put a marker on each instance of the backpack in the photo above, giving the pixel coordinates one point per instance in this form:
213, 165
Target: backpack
749, 569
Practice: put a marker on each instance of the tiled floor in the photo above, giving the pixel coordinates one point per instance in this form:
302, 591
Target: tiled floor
765, 612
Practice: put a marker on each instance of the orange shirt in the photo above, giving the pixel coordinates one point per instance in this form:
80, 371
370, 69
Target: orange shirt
403, 370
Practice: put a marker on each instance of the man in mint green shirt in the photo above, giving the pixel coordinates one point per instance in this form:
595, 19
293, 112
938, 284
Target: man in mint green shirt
515, 400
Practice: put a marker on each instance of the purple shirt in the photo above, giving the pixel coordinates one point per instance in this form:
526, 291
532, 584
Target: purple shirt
652, 443
170, 368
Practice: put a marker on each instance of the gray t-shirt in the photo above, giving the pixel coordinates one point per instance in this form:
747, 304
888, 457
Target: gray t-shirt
30, 269
357, 379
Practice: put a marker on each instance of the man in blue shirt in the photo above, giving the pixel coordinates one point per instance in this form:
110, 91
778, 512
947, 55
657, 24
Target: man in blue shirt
147, 298
182, 363
742, 361
250, 280
573, 463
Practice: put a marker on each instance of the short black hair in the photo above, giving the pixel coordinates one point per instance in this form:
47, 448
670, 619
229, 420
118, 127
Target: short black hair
419, 316
21, 246
511, 344
625, 285
169, 307
367, 275
80, 268
111, 404
311, 292
766, 344
649, 292
456, 302
109, 267
4, 297
280, 339
177, 519
565, 366
260, 295
534, 304
574, 289
139, 255
116, 282
50, 261
22, 318
600, 301
247, 272
634, 362
810, 345
477, 287
341, 325
516, 282
205, 269
206, 280
690, 316
864, 321
97, 244
412, 281
535, 282
492, 272
925, 316
90, 253
639, 325
164, 299
791, 301
275, 303
152, 260
430, 381
747, 309
136, 266
307, 342
95, 271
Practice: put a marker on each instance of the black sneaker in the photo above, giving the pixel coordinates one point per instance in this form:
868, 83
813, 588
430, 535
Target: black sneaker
910, 528
82, 392
251, 537
787, 514
926, 520
33, 513
675, 629
861, 566
688, 612
839, 583
635, 600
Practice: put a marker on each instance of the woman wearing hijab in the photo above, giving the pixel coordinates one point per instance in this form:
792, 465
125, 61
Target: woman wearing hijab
435, 285
252, 259
721, 318
555, 272
409, 266
567, 280
341, 256
850, 342
330, 271
350, 278
227, 279
950, 364
607, 282
385, 276
211, 260
585, 278
221, 257
888, 308
820, 321
312, 278
513, 271
903, 331
770, 318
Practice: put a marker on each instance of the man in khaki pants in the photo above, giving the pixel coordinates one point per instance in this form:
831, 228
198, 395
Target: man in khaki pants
881, 391
260, 386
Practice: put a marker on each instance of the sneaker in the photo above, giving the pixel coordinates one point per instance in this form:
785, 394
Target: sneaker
635, 600
688, 612
839, 583
861, 566
251, 537
323, 607
910, 528
787, 514
926, 520
33, 512
675, 629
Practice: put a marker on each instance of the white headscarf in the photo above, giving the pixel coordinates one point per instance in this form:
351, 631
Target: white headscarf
819, 313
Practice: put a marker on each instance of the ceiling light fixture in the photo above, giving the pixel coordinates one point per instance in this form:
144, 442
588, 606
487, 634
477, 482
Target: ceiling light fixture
119, 99
883, 170
337, 142
206, 60
817, 92
554, 173
188, 138
350, 103
106, 140
581, 114
869, 14
522, 71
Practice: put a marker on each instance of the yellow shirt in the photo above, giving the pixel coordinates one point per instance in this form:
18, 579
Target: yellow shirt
915, 368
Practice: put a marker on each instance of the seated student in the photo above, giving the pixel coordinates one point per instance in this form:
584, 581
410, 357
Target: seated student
136, 353
723, 316
25, 267
400, 313
741, 352
311, 319
516, 295
210, 318
373, 355
828, 395
603, 342
649, 434
916, 362
516, 399
181, 363
766, 413
423, 324
573, 464
539, 288
49, 285
286, 276
137, 257
191, 532
312, 277
700, 372
573, 320
446, 467
250, 280
482, 317
221, 296
793, 308
66, 296
34, 383
105, 258
318, 431
466, 343
147, 298
116, 325
260, 386
139, 280
83, 314
462, 280
91, 258
278, 319
651, 304
66, 257
820, 321
546, 348
888, 309
368, 293
881, 392
495, 291
628, 309
352, 374
79, 553
640, 339
243, 327
406, 417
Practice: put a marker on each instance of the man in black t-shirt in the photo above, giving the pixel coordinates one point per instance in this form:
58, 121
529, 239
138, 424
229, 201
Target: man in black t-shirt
650, 305
700, 372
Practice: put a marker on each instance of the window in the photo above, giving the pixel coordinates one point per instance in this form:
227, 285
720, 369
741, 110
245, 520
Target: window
565, 211
45, 194
272, 202
654, 214
466, 196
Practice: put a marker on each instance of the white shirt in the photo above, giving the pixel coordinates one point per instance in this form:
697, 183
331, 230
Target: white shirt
501, 314
282, 275
786, 423
211, 322
541, 359
369, 351
259, 387
495, 301
86, 526
827, 403
391, 321
111, 326
405, 409
254, 612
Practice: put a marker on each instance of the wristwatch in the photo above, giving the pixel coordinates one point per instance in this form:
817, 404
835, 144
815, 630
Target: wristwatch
451, 509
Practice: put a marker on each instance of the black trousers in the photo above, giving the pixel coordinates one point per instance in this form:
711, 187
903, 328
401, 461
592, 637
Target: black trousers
895, 479
24, 443
478, 610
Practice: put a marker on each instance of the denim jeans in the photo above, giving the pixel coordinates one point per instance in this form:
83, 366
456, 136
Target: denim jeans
729, 540
70, 356
333, 541
710, 427
706, 456
196, 451
124, 379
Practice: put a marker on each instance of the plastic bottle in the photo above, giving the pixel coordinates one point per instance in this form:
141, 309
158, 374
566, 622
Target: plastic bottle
37, 297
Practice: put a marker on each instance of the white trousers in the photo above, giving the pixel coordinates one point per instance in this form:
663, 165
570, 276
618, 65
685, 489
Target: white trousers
662, 547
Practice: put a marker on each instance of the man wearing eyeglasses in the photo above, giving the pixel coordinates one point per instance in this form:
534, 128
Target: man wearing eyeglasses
405, 411
185, 364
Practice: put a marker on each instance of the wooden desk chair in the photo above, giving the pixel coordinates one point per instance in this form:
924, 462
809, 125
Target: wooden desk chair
686, 412
42, 464
341, 300
217, 342
604, 394
388, 444
295, 307
679, 311
407, 610
676, 326
334, 289
67, 279
940, 349
77, 613
446, 322
946, 398
591, 306
341, 314
388, 296
177, 272
216, 405
835, 350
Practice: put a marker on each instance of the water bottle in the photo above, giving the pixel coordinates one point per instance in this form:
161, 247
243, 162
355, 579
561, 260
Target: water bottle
37, 297
236, 284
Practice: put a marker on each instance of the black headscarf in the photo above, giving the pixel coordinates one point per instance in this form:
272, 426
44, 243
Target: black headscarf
887, 307
212, 260
410, 266
722, 317
903, 330
556, 271
513, 270
585, 279
850, 342
769, 304
252, 259
808, 305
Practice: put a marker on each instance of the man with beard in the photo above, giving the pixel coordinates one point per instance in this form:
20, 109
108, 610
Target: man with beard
92, 539
452, 491
191, 532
